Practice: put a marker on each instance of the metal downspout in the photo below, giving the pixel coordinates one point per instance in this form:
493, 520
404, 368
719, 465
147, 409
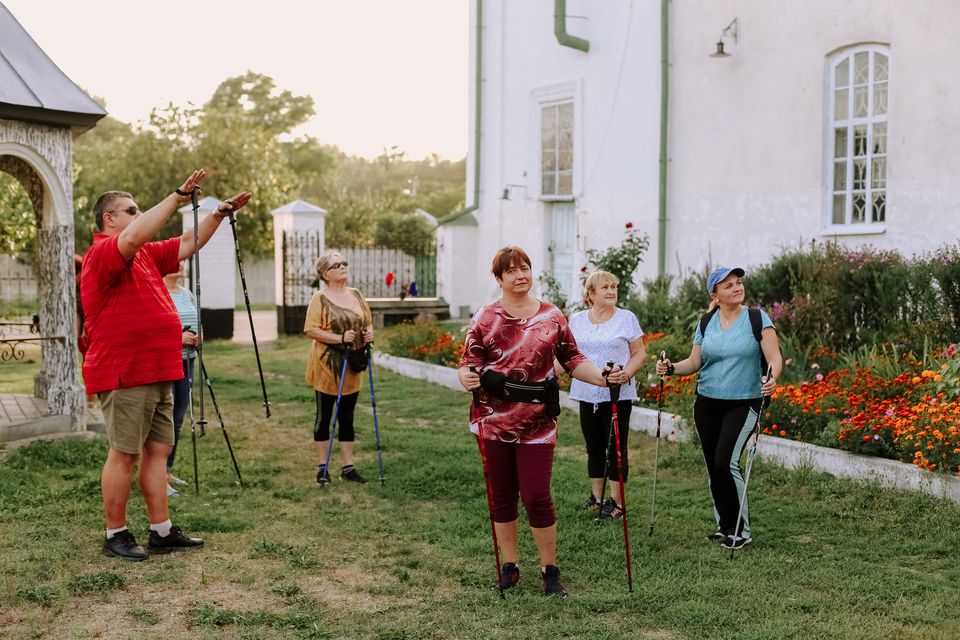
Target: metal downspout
560, 28
478, 105
664, 102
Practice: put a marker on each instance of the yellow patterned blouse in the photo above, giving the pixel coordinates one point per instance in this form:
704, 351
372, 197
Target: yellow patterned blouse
324, 364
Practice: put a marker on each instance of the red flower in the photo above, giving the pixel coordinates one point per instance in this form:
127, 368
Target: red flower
629, 225
389, 278
583, 269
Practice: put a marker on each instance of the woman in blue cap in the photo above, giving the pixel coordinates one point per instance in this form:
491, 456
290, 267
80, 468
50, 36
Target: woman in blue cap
729, 345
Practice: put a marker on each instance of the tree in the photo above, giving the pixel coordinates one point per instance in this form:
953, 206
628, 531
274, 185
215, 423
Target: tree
18, 219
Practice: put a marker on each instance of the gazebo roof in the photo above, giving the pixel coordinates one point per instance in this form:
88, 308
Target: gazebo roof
33, 88
298, 206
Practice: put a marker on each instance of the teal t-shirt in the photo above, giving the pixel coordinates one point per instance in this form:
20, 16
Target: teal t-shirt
731, 358
186, 306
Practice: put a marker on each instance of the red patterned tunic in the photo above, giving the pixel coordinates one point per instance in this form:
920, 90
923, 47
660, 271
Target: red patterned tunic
523, 349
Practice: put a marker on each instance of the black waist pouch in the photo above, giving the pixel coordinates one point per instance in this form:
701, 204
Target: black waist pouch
356, 358
546, 393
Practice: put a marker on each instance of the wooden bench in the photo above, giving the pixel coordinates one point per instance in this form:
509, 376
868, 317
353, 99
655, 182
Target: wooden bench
388, 311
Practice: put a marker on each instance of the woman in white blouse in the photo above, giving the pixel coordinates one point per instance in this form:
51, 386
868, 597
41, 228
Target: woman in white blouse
605, 334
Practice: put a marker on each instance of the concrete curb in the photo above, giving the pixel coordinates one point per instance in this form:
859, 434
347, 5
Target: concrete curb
785, 453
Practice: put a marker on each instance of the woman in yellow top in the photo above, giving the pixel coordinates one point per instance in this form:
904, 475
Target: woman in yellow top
338, 319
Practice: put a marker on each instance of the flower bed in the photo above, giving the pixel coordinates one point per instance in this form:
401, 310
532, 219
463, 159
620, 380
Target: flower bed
912, 416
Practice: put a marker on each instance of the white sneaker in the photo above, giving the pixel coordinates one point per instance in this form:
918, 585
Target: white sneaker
736, 542
172, 493
177, 481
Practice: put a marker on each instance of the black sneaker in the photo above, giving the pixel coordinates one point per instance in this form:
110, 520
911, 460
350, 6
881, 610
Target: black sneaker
174, 541
124, 546
736, 542
591, 505
323, 476
352, 475
611, 510
551, 582
509, 576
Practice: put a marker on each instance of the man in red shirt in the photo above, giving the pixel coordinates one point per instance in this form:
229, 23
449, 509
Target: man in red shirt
133, 353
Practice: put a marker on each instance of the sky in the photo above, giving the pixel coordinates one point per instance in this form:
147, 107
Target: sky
381, 72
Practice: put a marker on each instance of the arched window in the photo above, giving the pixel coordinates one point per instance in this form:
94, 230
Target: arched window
857, 151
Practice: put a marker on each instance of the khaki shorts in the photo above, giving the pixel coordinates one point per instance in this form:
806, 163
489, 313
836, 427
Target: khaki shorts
138, 414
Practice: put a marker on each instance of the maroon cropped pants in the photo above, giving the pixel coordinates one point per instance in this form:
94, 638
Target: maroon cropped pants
521, 471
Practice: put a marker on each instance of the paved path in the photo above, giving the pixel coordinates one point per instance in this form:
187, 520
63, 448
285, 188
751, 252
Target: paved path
264, 323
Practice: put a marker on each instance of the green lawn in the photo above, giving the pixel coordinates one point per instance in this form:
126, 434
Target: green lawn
286, 559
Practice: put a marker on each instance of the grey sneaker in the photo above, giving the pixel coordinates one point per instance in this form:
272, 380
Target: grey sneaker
124, 546
591, 505
736, 542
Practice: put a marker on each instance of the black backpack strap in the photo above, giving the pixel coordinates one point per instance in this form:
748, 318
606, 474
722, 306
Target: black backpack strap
705, 320
756, 323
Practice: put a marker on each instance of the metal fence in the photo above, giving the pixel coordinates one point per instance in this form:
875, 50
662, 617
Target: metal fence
17, 280
378, 272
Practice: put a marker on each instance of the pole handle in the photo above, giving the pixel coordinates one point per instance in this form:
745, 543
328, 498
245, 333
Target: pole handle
476, 394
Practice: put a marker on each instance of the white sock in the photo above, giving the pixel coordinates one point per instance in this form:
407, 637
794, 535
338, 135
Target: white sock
113, 532
162, 528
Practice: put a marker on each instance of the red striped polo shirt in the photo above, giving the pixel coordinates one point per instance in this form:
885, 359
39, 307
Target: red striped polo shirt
130, 321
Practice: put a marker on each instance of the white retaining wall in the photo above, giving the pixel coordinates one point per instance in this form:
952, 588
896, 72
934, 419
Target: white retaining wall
786, 453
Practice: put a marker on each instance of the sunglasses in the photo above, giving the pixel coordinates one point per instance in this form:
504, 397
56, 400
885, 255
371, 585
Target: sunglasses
132, 210
337, 265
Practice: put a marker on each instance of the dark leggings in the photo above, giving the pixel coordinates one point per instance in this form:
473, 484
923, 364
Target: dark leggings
596, 427
724, 427
326, 405
524, 471
181, 400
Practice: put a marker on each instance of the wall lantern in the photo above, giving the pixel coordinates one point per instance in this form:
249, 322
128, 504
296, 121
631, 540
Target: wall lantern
729, 32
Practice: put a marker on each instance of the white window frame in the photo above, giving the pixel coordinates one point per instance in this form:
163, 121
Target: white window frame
541, 97
848, 227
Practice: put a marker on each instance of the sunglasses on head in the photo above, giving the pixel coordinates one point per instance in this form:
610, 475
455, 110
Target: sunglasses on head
132, 210
337, 265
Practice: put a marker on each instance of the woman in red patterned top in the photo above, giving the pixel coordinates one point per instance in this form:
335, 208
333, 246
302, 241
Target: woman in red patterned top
512, 343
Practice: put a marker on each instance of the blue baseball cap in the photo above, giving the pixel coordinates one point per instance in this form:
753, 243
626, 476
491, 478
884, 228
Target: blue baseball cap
719, 274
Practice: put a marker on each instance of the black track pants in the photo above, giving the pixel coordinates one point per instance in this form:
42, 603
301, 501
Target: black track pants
724, 427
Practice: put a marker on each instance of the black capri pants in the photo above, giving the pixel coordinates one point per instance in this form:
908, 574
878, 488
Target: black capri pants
596, 427
326, 405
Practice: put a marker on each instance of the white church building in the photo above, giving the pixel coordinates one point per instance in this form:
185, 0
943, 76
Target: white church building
725, 130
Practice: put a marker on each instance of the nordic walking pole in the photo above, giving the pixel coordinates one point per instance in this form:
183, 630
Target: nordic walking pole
223, 427
202, 422
336, 414
486, 482
373, 403
614, 397
656, 457
193, 439
606, 453
246, 299
764, 401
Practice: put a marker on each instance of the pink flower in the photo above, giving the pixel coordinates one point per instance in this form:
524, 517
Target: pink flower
819, 377
814, 366
788, 361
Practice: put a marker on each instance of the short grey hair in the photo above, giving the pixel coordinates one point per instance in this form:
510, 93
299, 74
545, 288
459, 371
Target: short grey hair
103, 204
